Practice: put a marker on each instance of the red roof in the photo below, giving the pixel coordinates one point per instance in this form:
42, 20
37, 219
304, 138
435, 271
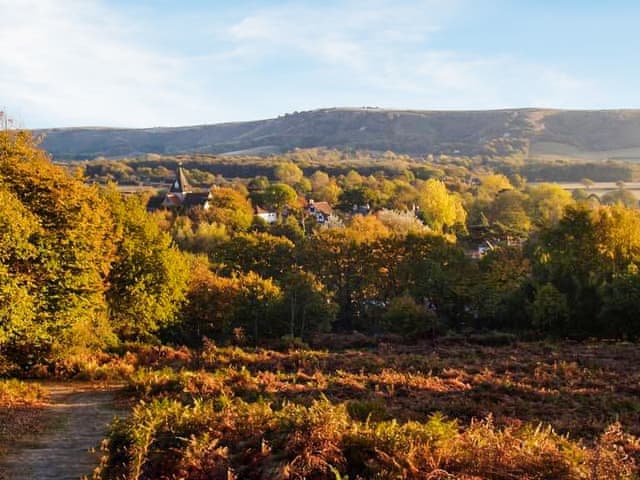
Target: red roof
172, 200
324, 207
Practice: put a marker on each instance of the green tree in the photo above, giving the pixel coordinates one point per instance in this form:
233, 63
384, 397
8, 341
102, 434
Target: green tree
258, 299
405, 316
309, 306
342, 259
568, 256
359, 196
148, 281
436, 271
620, 314
499, 295
279, 196
289, 228
550, 309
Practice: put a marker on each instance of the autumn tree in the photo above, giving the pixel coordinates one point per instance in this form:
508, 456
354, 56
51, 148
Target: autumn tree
441, 210
210, 306
230, 208
352, 180
319, 180
260, 252
18, 297
581, 254
547, 203
71, 245
492, 184
508, 212
289, 173
401, 222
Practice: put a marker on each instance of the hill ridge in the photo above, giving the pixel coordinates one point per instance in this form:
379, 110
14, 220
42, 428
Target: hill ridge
591, 134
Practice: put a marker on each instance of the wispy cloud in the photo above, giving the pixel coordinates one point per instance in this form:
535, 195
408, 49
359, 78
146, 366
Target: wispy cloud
75, 62
388, 49
343, 33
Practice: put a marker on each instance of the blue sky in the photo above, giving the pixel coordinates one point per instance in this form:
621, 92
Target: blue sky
165, 63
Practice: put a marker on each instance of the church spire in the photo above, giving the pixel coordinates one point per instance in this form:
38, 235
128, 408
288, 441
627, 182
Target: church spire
180, 184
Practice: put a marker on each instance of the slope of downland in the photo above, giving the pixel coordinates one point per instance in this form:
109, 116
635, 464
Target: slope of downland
594, 134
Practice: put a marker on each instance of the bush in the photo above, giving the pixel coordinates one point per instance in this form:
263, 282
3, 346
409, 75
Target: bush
15, 392
550, 309
407, 317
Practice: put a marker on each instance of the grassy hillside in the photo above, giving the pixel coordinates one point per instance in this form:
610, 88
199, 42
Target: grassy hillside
580, 134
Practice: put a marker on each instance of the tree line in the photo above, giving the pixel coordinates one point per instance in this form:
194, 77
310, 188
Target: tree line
207, 169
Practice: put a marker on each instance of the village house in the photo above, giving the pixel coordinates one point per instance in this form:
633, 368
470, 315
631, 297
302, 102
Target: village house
321, 211
268, 216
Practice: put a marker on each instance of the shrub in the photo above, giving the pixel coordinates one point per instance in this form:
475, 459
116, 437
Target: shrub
229, 438
407, 317
13, 392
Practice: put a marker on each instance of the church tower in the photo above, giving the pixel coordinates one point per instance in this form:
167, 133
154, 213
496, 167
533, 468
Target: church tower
180, 186
182, 196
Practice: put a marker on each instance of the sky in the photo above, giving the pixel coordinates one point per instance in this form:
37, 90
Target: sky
150, 63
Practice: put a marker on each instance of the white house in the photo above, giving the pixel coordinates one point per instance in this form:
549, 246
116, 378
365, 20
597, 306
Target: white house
268, 216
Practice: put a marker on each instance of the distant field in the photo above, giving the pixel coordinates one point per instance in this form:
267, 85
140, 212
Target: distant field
599, 188
131, 189
556, 150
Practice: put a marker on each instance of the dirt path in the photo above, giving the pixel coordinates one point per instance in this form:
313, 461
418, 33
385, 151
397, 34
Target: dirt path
77, 418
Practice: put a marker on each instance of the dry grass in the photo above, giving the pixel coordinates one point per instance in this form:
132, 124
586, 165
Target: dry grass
530, 410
